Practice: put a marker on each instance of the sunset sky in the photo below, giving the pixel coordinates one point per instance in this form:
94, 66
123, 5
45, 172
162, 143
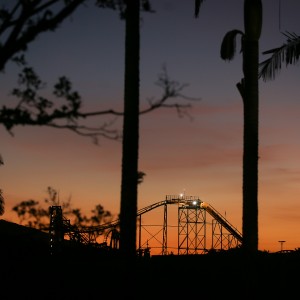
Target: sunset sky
200, 155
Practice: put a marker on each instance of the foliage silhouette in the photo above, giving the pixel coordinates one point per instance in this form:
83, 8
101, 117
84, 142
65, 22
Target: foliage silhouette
288, 53
34, 215
22, 21
29, 19
19, 26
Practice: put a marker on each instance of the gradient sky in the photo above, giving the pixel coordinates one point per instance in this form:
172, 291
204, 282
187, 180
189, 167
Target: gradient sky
201, 156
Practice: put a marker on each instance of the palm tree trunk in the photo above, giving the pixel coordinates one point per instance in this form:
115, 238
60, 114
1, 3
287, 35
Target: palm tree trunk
253, 24
250, 156
128, 209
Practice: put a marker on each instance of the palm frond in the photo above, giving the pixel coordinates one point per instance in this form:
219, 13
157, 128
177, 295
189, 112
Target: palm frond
197, 7
228, 46
288, 53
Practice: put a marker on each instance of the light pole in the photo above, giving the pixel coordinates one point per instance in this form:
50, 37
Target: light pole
281, 245
1, 196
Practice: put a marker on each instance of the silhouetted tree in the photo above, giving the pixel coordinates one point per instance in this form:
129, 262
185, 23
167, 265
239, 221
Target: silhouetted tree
99, 215
248, 88
131, 177
130, 147
32, 214
20, 23
288, 53
34, 109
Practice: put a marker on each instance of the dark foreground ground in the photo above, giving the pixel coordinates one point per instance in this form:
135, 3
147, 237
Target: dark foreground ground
216, 276
28, 271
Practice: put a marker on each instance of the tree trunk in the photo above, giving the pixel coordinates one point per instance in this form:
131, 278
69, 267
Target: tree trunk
250, 157
253, 24
128, 208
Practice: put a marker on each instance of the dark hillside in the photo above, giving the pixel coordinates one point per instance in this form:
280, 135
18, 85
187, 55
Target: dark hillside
29, 272
20, 241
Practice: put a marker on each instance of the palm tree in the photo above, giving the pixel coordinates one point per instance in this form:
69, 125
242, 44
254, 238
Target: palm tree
131, 177
248, 88
289, 53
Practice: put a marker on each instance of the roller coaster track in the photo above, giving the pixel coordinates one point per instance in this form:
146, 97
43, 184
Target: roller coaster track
170, 200
115, 223
217, 216
196, 201
88, 234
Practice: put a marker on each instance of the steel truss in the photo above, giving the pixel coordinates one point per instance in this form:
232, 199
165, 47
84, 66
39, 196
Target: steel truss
191, 227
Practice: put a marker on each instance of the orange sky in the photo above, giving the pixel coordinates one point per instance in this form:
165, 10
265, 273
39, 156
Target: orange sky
202, 156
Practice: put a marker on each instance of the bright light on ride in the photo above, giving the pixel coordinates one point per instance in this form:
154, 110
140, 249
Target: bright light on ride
181, 195
195, 202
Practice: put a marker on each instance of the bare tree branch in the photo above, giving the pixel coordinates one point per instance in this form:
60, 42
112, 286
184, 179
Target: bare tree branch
36, 110
26, 20
171, 90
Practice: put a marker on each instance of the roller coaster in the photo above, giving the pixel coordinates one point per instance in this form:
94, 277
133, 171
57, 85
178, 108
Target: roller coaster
191, 230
